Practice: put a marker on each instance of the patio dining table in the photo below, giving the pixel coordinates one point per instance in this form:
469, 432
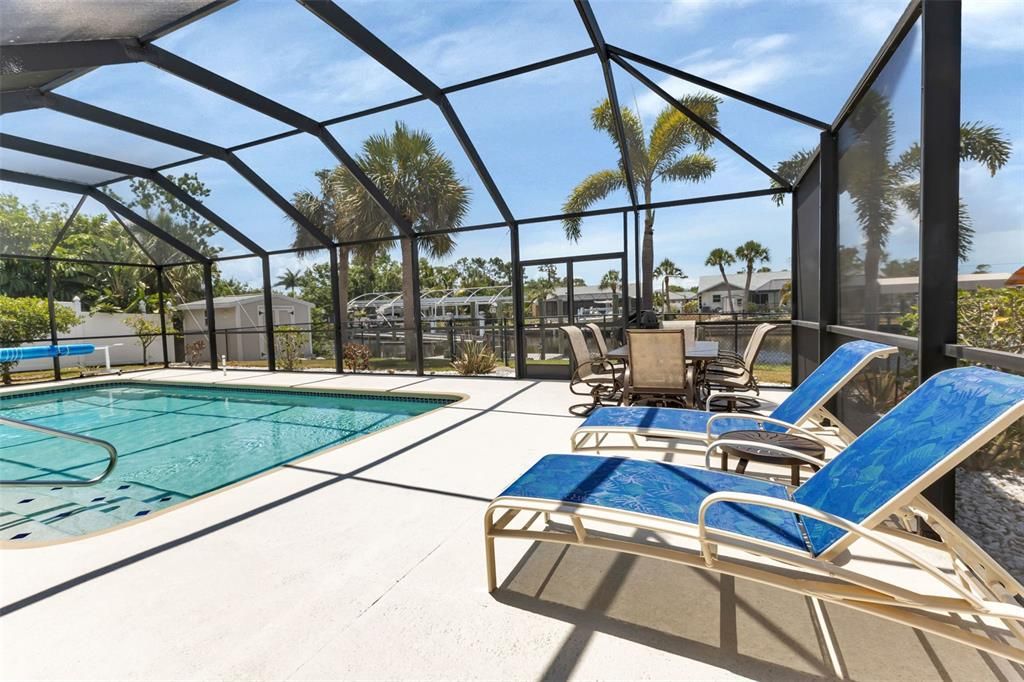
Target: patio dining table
699, 352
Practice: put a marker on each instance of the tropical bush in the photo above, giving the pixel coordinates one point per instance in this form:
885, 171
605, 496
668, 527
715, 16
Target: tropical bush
146, 331
357, 357
288, 343
476, 358
993, 319
193, 351
25, 319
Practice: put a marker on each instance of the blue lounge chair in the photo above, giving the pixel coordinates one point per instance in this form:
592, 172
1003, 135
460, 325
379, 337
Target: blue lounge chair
619, 428
824, 538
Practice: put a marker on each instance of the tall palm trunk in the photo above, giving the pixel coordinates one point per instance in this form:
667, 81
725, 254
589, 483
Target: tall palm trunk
343, 272
728, 289
872, 262
647, 256
409, 320
746, 288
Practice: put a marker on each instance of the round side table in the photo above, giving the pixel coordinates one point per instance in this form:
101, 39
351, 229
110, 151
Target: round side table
750, 450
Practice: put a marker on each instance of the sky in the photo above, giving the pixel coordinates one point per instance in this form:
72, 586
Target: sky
533, 131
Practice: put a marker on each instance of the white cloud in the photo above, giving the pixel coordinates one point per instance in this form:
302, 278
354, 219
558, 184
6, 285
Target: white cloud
993, 24
692, 13
987, 24
752, 65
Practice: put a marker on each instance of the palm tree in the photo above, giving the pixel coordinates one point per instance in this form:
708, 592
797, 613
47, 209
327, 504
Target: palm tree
323, 208
674, 151
421, 183
290, 280
720, 258
610, 280
749, 254
878, 182
666, 270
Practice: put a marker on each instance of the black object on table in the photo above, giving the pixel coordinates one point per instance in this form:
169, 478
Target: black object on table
750, 450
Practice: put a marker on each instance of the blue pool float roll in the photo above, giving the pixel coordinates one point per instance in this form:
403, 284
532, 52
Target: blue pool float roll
35, 352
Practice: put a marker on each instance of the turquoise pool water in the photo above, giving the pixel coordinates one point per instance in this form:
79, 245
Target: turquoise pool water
174, 443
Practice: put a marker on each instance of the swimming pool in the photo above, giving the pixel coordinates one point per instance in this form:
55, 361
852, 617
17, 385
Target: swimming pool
174, 443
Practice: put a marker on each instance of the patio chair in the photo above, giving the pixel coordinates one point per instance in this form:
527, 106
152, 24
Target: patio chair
600, 379
602, 345
824, 539
657, 367
661, 427
689, 328
733, 373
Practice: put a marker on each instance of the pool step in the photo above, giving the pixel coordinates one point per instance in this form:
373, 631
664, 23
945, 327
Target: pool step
62, 511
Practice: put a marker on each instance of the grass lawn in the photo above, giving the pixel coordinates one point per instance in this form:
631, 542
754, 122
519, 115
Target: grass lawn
773, 374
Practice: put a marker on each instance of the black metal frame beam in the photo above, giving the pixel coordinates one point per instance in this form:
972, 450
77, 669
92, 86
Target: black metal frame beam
138, 242
211, 315
720, 89
889, 47
342, 22
597, 38
208, 80
828, 242
940, 202
268, 313
93, 161
65, 56
108, 201
699, 121
64, 228
110, 119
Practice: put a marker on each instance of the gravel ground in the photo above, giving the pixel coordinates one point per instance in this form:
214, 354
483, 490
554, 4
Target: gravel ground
990, 509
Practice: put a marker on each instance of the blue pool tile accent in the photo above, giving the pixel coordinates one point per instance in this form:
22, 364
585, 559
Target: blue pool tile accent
659, 489
20, 536
26, 500
142, 513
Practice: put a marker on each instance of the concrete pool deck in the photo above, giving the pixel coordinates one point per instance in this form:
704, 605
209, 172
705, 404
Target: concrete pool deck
367, 562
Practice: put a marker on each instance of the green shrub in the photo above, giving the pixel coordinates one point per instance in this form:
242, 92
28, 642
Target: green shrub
25, 319
288, 343
476, 358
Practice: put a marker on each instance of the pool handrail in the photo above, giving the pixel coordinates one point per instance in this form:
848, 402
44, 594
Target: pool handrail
111, 453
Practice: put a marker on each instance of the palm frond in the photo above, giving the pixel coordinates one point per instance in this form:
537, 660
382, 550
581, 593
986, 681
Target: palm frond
691, 168
594, 188
790, 170
602, 119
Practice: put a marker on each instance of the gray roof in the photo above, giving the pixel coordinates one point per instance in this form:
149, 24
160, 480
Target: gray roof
228, 301
759, 281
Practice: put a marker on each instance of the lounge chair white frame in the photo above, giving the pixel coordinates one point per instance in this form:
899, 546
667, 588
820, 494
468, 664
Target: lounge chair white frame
975, 590
628, 438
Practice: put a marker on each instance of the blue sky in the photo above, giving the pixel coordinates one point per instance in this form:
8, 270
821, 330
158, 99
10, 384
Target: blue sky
533, 131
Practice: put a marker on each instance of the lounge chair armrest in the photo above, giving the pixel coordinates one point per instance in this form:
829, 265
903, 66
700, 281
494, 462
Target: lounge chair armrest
803, 510
762, 446
732, 355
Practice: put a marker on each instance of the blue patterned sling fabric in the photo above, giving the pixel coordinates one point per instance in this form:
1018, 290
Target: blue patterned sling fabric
818, 387
916, 437
662, 490
825, 381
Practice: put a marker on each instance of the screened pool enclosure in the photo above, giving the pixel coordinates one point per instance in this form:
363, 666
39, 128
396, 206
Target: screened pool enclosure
92, 155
